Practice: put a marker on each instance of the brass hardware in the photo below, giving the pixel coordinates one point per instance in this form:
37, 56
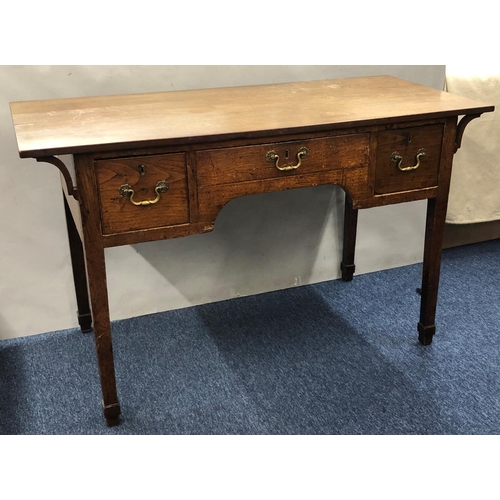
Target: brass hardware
397, 158
127, 192
142, 169
272, 156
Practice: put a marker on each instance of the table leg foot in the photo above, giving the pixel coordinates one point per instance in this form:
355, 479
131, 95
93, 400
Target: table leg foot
425, 333
112, 414
347, 271
350, 227
85, 322
79, 272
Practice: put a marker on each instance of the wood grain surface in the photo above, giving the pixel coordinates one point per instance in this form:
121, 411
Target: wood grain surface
119, 214
76, 125
407, 142
248, 163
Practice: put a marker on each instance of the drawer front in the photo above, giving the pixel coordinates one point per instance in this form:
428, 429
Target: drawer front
264, 161
158, 183
408, 158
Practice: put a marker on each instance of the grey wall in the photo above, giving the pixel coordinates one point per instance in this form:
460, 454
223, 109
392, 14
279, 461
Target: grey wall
260, 243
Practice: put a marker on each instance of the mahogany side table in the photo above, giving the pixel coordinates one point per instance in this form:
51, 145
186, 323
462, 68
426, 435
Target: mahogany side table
145, 167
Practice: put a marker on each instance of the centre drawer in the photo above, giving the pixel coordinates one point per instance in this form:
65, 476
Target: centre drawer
272, 160
408, 158
142, 192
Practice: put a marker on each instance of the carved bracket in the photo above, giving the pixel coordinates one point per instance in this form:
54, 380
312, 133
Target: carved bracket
461, 127
64, 171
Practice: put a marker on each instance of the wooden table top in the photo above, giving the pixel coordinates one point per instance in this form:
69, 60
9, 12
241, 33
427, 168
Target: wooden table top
84, 124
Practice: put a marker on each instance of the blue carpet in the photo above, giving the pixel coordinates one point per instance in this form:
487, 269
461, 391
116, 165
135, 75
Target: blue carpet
330, 358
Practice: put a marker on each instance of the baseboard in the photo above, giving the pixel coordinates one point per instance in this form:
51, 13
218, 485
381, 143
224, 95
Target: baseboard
464, 234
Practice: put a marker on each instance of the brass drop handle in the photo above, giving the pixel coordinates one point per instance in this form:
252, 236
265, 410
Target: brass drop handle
127, 192
397, 158
272, 156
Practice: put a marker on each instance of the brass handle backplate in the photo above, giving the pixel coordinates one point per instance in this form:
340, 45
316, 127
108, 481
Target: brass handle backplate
127, 192
397, 158
273, 157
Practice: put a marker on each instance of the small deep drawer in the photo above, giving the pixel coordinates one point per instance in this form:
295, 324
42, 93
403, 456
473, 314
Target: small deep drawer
142, 192
408, 158
275, 160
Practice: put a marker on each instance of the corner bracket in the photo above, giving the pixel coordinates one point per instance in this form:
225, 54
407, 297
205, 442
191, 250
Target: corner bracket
72, 191
461, 127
